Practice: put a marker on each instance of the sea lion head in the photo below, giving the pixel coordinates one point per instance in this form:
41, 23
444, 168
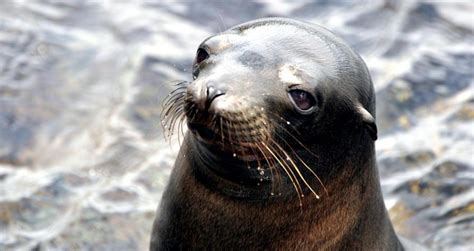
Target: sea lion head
275, 96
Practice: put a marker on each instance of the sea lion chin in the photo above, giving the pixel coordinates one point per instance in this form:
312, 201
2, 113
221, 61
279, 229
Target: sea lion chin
280, 148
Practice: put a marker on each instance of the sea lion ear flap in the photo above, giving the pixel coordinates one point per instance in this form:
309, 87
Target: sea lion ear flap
368, 120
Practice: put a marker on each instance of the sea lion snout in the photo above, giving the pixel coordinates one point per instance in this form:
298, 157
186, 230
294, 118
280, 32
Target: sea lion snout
231, 121
211, 94
203, 94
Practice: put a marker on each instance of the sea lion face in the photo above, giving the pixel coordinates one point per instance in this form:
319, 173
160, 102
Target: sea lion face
264, 91
243, 78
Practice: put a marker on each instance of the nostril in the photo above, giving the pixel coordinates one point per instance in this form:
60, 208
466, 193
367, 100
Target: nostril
212, 93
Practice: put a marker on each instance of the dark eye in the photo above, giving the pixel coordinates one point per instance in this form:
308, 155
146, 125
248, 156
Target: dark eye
303, 100
201, 55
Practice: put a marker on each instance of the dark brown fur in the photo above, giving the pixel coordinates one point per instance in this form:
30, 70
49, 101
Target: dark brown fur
198, 212
353, 217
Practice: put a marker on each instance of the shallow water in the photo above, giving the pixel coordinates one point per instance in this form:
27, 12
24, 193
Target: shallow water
82, 158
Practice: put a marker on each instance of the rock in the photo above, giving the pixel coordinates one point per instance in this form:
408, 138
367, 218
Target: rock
144, 112
154, 178
465, 112
41, 210
119, 195
72, 180
441, 183
119, 158
449, 169
411, 95
391, 165
97, 231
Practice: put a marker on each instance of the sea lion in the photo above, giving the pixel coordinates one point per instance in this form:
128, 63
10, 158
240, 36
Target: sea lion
280, 149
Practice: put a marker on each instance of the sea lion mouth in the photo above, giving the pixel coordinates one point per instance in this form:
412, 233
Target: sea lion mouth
236, 127
203, 132
237, 136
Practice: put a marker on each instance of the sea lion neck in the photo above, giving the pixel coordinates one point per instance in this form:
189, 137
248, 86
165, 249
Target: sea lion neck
356, 206
225, 173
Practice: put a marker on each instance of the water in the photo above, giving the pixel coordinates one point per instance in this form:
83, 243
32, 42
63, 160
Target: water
82, 157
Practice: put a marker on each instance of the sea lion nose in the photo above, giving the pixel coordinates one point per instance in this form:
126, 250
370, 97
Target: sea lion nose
212, 93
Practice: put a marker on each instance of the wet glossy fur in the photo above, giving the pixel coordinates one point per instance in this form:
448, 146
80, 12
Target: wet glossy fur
350, 215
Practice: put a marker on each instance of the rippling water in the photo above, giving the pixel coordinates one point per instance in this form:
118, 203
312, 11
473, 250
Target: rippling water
82, 158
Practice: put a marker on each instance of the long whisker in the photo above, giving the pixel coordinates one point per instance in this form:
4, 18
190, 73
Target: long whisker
177, 103
230, 137
281, 160
171, 99
295, 183
167, 121
271, 165
172, 114
237, 139
182, 125
260, 135
304, 163
296, 168
315, 175
276, 115
297, 141
175, 93
180, 128
222, 132
167, 125
174, 120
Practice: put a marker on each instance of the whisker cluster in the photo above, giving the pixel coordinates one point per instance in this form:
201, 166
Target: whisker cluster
249, 133
173, 115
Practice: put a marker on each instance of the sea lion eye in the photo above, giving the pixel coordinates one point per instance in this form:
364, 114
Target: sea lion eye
303, 100
201, 55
